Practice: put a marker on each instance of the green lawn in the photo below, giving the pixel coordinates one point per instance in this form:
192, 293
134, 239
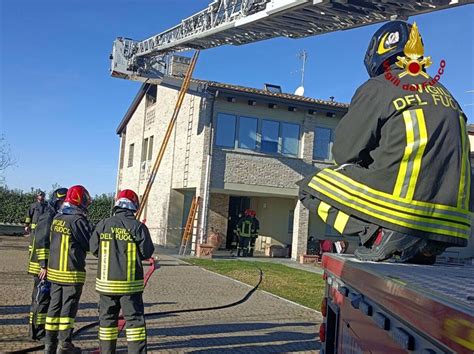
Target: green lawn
305, 288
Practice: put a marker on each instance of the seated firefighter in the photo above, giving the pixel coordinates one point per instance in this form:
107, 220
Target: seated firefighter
403, 177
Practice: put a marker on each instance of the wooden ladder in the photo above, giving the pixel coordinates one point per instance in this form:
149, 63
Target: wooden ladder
190, 225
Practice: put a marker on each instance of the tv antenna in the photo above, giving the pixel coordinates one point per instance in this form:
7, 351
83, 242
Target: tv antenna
303, 56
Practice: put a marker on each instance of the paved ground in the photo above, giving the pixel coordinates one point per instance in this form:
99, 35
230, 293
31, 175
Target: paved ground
263, 324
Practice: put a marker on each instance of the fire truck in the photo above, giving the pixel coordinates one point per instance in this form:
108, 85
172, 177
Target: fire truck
396, 308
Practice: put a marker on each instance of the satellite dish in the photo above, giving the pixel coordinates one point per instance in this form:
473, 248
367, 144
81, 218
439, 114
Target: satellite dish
299, 91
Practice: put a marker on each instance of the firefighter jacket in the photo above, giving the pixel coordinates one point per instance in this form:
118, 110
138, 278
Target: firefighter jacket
121, 243
34, 212
70, 234
39, 245
403, 161
248, 227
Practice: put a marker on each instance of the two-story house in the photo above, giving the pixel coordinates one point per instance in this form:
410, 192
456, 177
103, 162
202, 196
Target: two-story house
235, 147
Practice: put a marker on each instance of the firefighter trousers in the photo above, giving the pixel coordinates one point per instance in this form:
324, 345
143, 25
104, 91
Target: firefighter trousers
244, 242
62, 313
133, 312
38, 311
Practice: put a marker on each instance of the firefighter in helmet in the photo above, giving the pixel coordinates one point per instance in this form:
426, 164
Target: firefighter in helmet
38, 263
121, 243
402, 180
70, 234
245, 230
34, 212
255, 230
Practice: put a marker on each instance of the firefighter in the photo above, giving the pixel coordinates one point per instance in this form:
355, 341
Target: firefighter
245, 230
255, 230
34, 212
38, 262
121, 243
70, 234
235, 237
402, 180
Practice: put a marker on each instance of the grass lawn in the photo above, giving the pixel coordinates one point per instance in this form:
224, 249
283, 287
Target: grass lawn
302, 287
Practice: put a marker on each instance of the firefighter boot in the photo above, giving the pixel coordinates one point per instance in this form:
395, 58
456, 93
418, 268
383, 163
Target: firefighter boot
387, 244
50, 348
68, 348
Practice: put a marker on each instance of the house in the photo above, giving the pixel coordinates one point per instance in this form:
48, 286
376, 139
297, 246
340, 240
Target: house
235, 147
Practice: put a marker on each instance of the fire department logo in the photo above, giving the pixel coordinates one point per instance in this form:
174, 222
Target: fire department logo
414, 60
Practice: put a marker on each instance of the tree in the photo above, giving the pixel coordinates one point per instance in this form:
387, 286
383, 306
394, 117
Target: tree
6, 159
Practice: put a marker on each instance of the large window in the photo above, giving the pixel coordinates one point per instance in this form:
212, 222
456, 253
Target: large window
270, 134
247, 133
290, 138
323, 138
131, 151
263, 135
225, 135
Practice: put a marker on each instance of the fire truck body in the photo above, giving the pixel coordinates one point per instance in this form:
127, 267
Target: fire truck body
396, 308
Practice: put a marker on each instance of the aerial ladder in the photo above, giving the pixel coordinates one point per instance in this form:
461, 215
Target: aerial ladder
238, 22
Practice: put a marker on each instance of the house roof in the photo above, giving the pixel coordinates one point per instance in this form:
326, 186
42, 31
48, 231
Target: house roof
213, 86
470, 128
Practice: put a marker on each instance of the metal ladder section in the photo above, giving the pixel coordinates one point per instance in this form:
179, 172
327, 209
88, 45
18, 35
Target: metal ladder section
191, 226
188, 140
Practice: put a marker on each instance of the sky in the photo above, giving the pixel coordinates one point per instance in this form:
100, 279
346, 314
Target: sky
59, 108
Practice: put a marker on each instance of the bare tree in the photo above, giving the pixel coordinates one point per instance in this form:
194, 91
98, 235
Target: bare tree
6, 159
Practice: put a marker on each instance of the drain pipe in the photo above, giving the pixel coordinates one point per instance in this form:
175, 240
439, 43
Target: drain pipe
207, 182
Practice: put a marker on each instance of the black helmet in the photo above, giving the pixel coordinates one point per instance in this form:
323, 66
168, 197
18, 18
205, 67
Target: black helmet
385, 45
40, 194
58, 196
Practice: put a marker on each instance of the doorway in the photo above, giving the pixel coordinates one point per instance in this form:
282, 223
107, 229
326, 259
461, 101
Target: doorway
237, 205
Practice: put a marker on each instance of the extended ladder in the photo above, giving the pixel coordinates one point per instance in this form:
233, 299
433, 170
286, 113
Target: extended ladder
190, 225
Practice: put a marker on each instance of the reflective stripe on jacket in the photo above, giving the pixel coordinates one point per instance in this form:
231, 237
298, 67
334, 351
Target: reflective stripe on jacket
39, 245
121, 243
70, 236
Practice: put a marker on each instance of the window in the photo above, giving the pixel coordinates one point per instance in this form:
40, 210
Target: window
323, 138
263, 135
151, 95
144, 149
270, 134
290, 137
225, 135
122, 149
130, 155
150, 148
247, 133
291, 217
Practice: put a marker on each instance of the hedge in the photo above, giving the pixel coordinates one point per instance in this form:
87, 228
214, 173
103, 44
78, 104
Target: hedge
14, 205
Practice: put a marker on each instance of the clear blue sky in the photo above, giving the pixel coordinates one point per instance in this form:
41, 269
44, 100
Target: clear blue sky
60, 108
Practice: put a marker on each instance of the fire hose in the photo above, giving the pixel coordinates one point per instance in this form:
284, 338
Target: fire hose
153, 266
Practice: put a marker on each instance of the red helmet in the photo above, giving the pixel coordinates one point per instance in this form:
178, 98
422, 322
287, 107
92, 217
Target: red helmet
247, 212
127, 199
252, 213
79, 196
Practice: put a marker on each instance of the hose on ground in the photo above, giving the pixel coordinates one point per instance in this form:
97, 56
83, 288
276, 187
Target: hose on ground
89, 326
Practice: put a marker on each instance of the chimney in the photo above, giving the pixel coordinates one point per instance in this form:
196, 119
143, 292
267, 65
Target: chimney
179, 65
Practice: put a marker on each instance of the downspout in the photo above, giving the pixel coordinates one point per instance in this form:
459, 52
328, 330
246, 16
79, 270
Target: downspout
207, 182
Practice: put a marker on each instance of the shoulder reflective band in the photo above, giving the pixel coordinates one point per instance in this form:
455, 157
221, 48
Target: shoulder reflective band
417, 138
465, 175
131, 260
104, 259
